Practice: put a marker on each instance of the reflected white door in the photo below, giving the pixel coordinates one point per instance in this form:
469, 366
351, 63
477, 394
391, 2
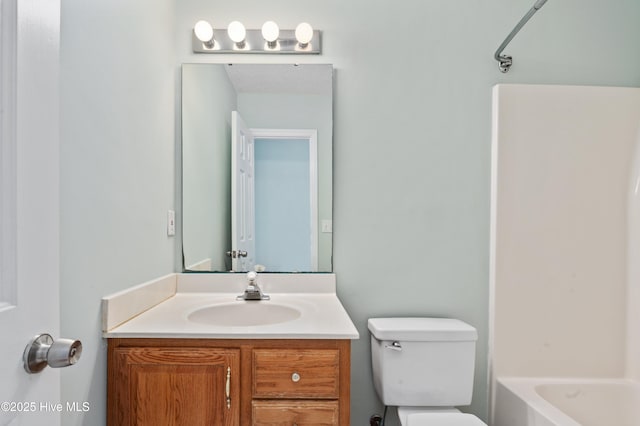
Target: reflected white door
242, 195
29, 207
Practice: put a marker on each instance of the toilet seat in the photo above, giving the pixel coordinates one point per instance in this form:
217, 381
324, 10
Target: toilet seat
405, 412
443, 419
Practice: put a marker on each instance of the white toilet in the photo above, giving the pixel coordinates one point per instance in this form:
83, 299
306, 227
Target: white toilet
424, 366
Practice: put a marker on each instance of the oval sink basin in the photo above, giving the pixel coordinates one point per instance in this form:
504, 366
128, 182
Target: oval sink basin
244, 314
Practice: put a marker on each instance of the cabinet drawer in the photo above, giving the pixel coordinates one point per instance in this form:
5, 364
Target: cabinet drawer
300, 413
296, 373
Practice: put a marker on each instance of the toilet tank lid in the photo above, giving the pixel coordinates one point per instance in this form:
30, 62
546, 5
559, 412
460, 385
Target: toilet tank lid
422, 329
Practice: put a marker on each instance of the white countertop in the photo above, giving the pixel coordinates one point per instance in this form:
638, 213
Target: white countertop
322, 316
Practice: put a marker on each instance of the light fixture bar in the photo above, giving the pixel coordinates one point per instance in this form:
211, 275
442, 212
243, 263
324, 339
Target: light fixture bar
255, 43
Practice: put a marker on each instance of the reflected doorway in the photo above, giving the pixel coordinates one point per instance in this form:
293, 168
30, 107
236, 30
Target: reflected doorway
286, 211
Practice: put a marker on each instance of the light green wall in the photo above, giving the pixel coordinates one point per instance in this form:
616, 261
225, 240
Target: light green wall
118, 83
411, 147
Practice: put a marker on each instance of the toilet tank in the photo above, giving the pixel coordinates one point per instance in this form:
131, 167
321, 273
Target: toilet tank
425, 362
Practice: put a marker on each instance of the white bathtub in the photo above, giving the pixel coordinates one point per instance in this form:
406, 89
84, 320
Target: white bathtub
566, 402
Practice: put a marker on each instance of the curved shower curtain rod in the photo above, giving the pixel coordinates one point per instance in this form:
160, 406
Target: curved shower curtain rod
505, 60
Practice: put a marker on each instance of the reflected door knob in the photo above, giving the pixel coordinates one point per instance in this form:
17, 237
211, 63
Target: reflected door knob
236, 253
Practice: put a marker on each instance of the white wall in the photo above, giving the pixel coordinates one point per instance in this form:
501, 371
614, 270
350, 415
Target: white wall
560, 184
411, 146
118, 80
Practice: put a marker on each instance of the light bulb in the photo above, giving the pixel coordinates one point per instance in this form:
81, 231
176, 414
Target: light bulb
237, 32
203, 31
270, 32
304, 33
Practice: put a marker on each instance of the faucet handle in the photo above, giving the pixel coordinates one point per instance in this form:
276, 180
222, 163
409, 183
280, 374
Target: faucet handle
252, 292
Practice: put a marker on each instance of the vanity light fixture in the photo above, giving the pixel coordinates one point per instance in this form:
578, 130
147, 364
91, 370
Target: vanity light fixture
304, 34
237, 34
269, 39
203, 31
270, 33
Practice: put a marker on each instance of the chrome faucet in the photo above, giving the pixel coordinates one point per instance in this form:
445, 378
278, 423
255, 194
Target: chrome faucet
252, 292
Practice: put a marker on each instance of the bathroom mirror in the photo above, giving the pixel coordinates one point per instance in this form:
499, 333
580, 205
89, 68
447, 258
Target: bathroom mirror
268, 201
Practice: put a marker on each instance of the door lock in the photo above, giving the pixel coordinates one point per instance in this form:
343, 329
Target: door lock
42, 350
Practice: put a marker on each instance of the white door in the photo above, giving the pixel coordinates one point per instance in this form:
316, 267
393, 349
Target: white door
242, 196
29, 206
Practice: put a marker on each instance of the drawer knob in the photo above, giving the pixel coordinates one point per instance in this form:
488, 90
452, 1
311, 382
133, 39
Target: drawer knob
295, 377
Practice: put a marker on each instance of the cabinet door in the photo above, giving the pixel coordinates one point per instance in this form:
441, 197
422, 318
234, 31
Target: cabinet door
176, 386
298, 413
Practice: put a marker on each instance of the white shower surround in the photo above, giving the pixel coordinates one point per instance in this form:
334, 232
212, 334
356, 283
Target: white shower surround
633, 269
565, 172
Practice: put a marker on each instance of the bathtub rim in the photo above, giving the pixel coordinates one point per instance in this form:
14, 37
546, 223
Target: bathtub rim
524, 388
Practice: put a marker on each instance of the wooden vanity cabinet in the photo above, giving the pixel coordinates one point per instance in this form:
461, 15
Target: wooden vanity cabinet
228, 382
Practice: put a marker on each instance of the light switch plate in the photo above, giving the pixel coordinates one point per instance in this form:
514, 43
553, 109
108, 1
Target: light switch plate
171, 223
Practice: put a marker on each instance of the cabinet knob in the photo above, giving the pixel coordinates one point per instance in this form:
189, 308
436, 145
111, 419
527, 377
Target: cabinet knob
295, 377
